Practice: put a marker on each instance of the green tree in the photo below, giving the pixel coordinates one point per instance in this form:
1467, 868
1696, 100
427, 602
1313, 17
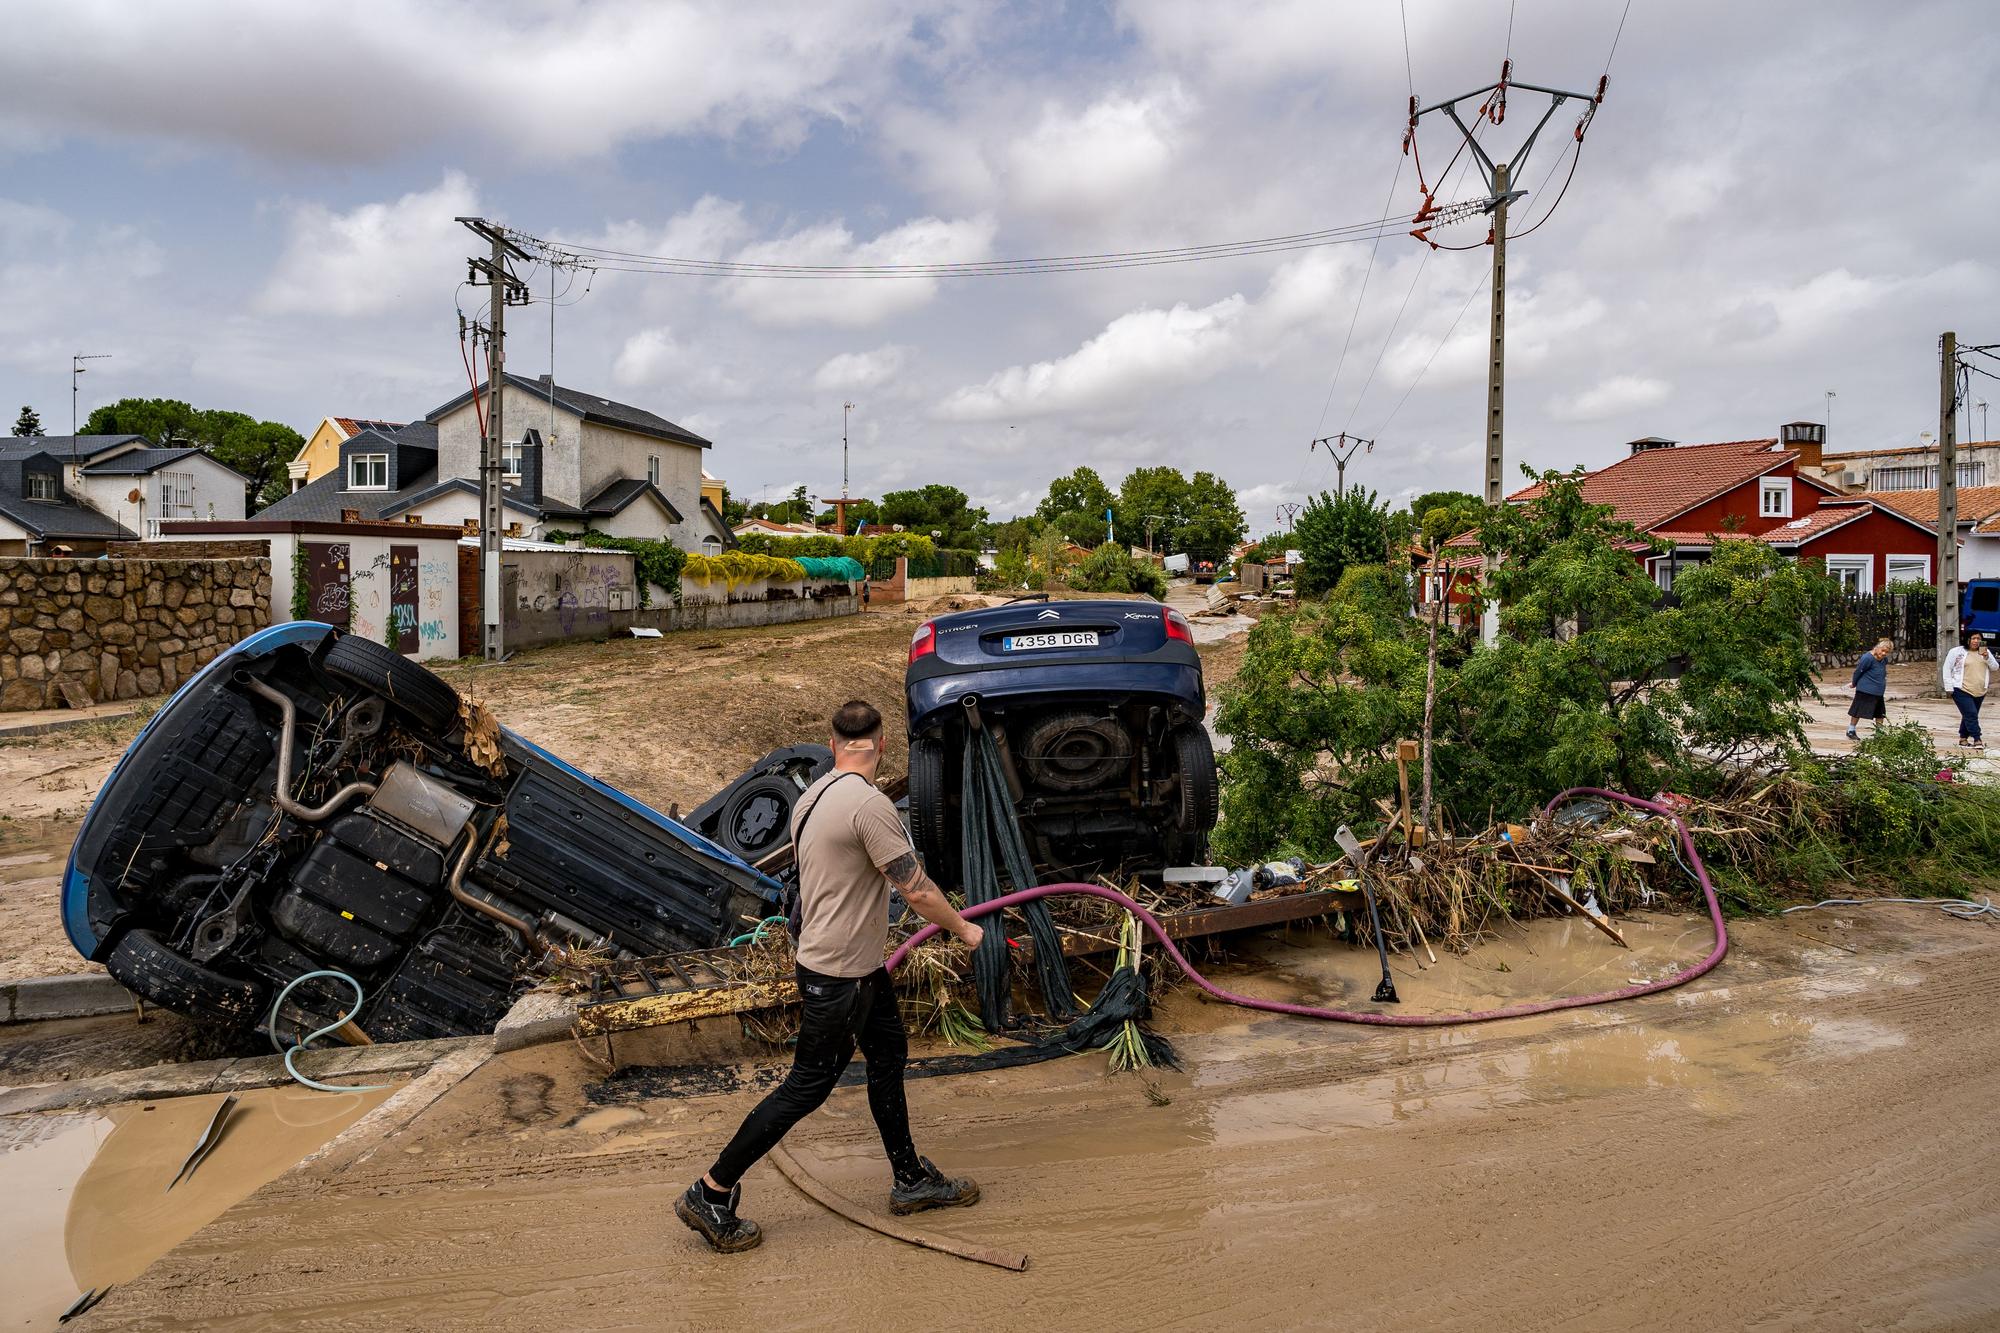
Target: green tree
257, 449
734, 511
28, 423
1438, 516
1197, 516
1015, 534
1335, 531
1592, 683
937, 508
795, 508
1082, 493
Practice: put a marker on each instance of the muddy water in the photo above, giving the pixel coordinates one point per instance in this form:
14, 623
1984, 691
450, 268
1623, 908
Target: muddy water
86, 1197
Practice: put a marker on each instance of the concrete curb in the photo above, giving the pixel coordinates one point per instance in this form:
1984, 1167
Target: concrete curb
536, 1017
9, 730
78, 995
195, 1078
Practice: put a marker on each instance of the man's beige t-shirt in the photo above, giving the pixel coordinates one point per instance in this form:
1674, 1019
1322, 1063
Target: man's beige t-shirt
852, 831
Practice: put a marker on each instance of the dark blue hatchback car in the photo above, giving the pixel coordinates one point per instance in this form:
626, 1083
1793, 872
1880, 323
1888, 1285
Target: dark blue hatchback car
1096, 707
313, 800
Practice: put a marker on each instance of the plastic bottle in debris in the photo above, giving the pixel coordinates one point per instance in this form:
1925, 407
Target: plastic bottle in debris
1237, 888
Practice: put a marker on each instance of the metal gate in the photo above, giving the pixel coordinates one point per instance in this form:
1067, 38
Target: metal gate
326, 583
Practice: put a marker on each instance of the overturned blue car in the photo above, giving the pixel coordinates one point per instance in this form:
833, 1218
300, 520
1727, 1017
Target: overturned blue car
314, 801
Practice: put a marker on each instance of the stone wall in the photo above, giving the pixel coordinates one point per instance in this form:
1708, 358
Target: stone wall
736, 615
78, 632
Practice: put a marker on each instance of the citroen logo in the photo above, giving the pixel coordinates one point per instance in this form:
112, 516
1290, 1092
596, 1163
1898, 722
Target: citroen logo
1050, 614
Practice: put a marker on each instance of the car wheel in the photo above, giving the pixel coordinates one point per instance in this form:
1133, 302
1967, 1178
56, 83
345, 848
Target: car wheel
149, 969
425, 698
931, 823
757, 818
1199, 803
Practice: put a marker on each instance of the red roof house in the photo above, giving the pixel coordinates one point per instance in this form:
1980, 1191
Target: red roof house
1693, 495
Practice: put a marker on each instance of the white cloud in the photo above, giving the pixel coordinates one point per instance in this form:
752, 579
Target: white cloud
554, 80
861, 370
372, 258
646, 356
1135, 354
1105, 158
1610, 398
791, 303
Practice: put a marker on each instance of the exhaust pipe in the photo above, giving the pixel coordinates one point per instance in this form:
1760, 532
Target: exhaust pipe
287, 739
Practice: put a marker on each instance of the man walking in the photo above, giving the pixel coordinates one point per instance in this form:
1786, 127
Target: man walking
850, 848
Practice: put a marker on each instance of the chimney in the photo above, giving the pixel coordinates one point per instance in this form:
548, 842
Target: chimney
1650, 443
1807, 439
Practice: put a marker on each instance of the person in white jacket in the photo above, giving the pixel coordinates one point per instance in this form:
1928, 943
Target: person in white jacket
1968, 673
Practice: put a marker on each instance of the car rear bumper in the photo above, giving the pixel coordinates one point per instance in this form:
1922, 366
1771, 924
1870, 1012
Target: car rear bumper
936, 698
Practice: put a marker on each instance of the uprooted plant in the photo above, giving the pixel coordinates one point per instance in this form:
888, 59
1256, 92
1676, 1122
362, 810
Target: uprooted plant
1596, 680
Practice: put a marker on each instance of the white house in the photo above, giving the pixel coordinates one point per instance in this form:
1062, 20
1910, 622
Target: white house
585, 459
134, 485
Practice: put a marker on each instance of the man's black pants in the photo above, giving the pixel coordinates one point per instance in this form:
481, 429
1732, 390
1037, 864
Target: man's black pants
838, 1013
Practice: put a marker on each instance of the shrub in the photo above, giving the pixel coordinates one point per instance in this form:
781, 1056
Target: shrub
1112, 568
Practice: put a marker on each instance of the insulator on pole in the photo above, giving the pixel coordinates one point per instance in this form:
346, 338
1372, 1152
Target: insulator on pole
1603, 82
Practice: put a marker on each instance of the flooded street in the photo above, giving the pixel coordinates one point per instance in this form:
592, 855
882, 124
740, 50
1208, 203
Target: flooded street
88, 1197
1726, 1155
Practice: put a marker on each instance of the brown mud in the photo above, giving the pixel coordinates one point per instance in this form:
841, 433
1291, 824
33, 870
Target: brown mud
1791, 1142
87, 1202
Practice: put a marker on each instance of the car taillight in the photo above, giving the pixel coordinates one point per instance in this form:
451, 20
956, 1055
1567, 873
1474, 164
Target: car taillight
924, 642
1177, 627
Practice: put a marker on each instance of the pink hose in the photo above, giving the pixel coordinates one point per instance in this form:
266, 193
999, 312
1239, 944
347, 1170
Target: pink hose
1389, 1019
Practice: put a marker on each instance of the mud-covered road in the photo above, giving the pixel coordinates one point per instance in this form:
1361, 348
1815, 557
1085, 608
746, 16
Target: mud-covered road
1797, 1142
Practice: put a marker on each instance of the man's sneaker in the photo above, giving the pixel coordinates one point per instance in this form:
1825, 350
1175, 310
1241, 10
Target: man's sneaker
934, 1190
1851, 734
718, 1223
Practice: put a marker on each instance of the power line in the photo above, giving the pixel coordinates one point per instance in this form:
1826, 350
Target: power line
1359, 297
599, 259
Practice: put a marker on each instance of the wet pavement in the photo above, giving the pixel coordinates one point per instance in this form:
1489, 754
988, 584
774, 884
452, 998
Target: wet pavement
87, 1202
1690, 1159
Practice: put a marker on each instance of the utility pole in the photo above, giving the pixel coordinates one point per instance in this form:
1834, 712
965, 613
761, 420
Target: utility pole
506, 290
1500, 176
1286, 511
1341, 447
845, 408
75, 369
1947, 519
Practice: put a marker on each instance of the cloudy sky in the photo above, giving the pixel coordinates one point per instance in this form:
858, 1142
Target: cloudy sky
250, 206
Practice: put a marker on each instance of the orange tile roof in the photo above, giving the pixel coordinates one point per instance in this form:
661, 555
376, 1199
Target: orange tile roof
1975, 503
1649, 488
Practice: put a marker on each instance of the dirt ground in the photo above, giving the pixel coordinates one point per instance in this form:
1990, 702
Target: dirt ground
1792, 1142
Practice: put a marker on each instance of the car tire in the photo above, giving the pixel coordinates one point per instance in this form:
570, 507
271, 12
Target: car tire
1200, 801
757, 818
931, 822
421, 695
152, 971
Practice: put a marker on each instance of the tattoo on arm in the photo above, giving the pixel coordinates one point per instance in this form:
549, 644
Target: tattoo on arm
904, 871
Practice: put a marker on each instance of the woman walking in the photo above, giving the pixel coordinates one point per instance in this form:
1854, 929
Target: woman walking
1871, 684
1968, 672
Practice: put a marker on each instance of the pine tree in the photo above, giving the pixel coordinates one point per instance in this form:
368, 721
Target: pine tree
28, 423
